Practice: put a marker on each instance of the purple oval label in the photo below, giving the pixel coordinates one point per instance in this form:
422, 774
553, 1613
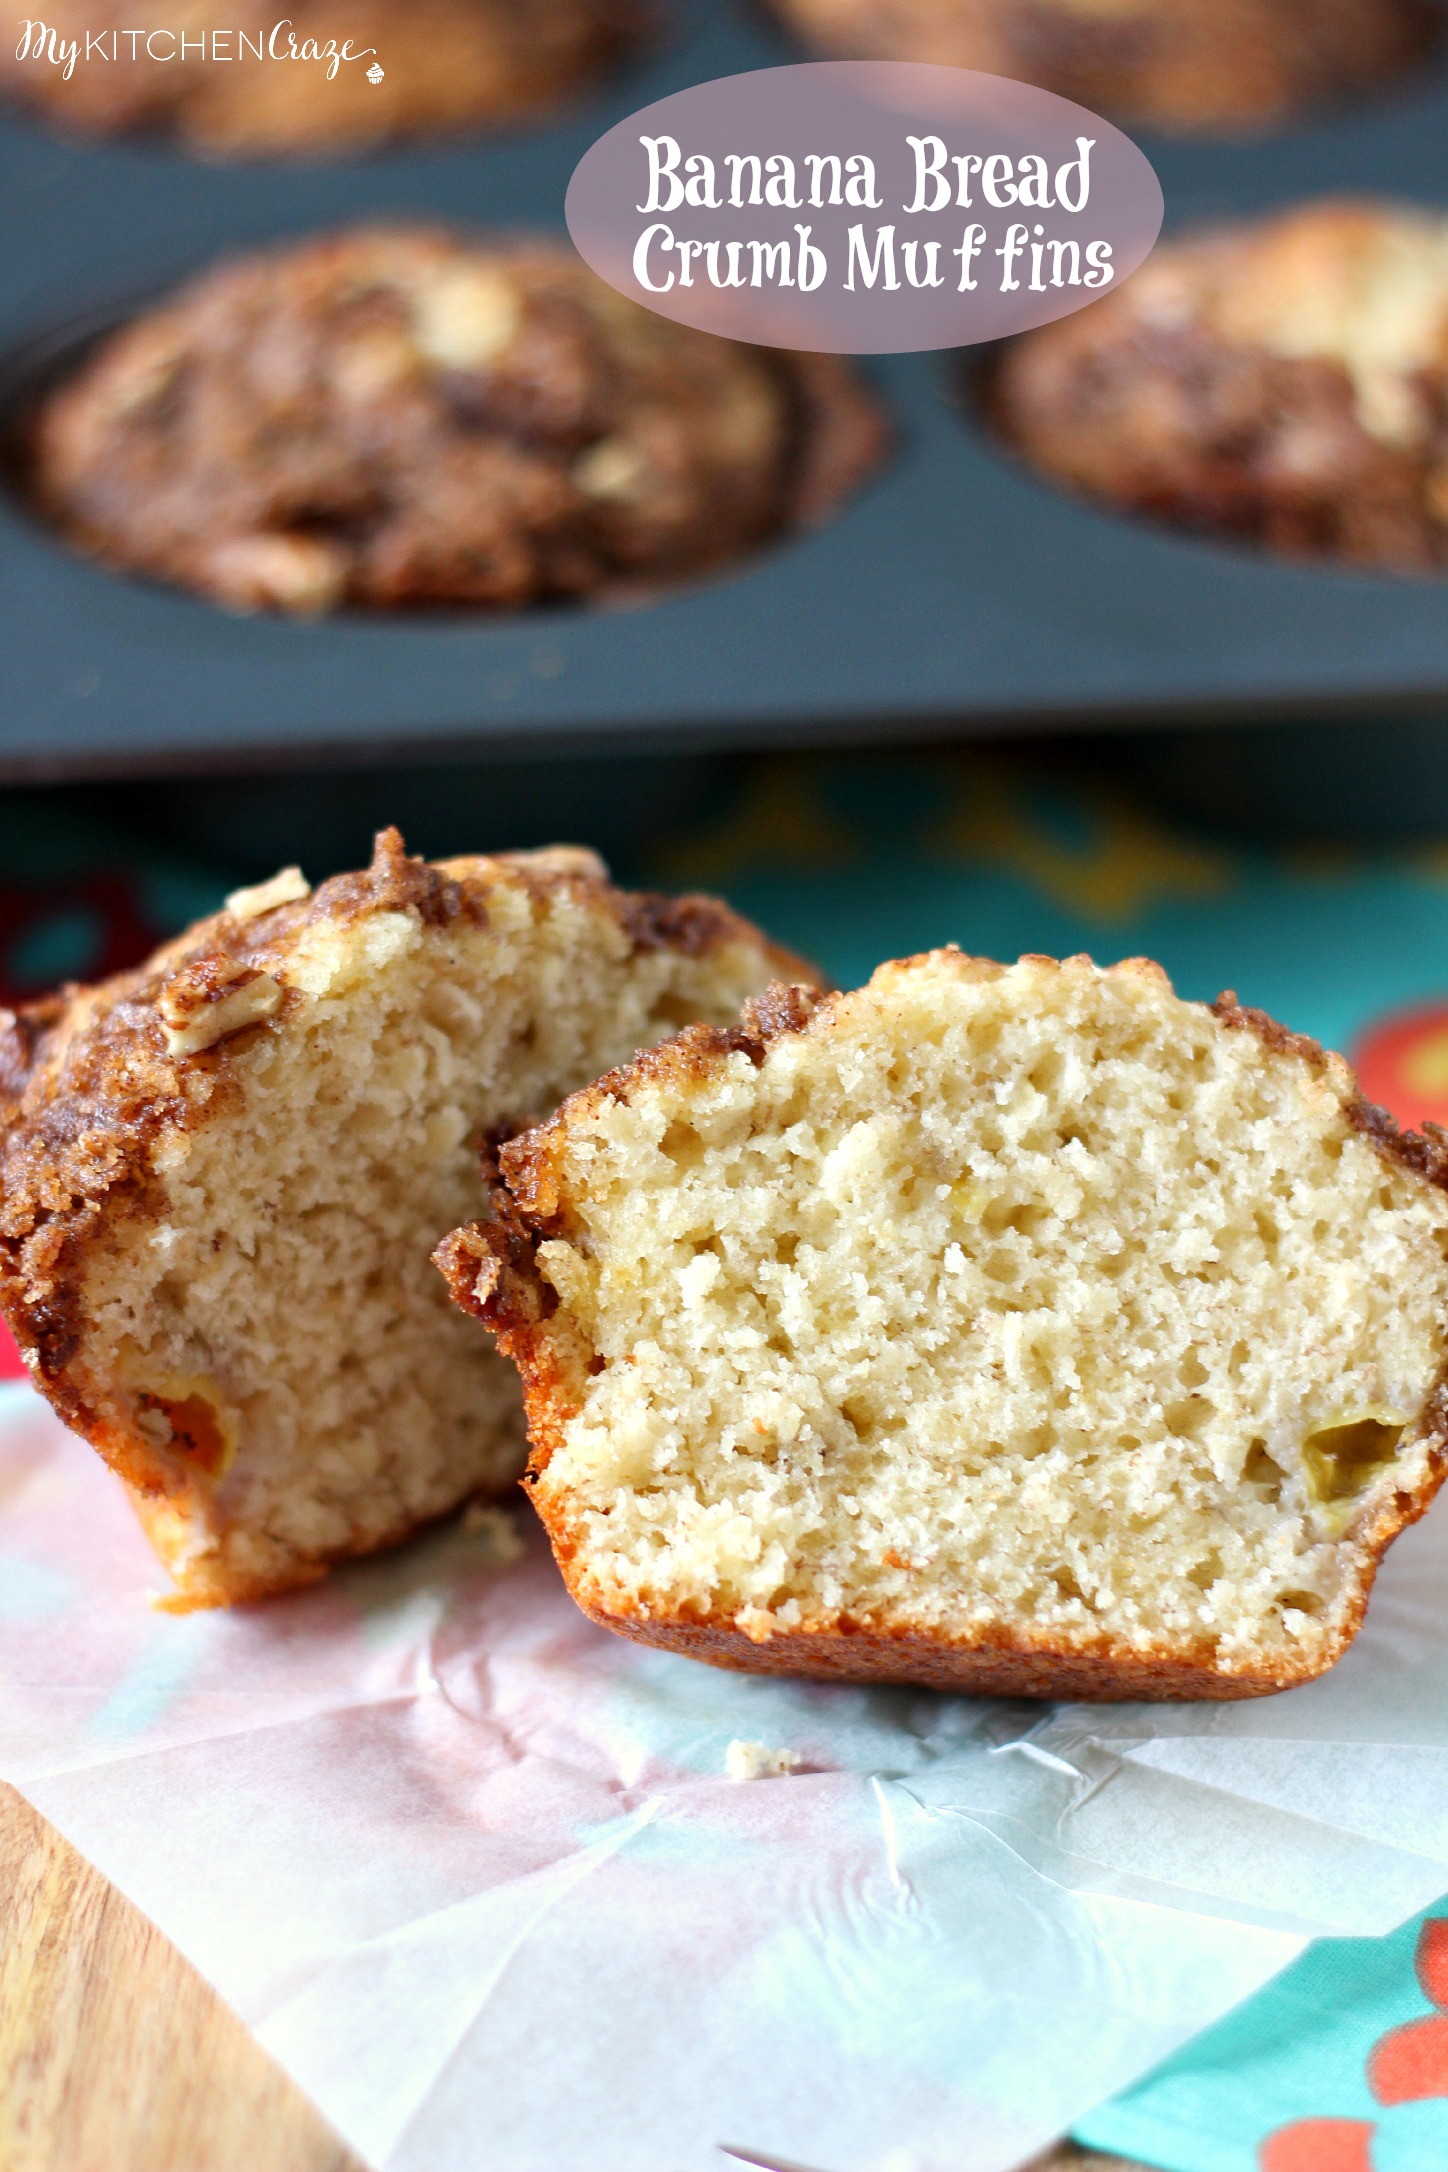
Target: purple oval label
864, 207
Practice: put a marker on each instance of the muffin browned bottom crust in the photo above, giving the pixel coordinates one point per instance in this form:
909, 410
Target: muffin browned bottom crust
1284, 382
406, 416
1180, 64
444, 65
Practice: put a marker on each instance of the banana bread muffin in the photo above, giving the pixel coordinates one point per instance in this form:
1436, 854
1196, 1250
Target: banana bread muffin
256, 84
1285, 382
1018, 1329
1174, 64
222, 1176
408, 417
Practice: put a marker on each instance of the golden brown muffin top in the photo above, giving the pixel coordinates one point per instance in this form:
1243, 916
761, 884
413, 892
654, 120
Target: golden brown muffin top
89, 1076
1176, 64
394, 416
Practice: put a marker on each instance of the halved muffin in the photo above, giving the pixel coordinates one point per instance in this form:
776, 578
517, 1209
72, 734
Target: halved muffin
222, 1175
1281, 380
1175, 64
1018, 1329
233, 79
401, 416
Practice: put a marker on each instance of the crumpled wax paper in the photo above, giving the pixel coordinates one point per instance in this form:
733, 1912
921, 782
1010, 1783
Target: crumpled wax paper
473, 1872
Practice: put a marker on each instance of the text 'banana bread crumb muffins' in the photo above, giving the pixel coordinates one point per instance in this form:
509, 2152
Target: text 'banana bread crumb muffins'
406, 417
1025, 1330
222, 1177
1173, 64
1284, 382
239, 79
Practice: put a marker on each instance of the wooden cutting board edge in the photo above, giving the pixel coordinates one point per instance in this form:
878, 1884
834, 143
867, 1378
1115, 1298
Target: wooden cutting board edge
116, 2056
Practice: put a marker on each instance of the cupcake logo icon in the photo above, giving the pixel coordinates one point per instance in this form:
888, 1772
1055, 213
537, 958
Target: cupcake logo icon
375, 74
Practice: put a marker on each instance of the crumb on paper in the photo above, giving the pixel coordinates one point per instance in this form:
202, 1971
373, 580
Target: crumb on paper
754, 1761
502, 1540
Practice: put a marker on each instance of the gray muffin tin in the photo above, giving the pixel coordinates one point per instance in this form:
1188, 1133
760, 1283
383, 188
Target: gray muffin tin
955, 593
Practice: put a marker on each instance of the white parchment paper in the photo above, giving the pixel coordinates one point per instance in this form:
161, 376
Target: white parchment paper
472, 1870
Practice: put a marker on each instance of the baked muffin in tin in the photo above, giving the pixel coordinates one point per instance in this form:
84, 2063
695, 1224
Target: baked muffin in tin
1284, 381
408, 416
1175, 64
256, 84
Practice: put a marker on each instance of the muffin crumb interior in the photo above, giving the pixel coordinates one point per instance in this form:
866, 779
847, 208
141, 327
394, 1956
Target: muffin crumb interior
1017, 1298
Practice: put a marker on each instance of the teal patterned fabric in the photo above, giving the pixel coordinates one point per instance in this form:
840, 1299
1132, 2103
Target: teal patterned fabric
856, 859
1341, 2065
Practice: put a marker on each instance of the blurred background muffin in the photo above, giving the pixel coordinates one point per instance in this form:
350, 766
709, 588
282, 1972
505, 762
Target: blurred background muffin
437, 66
1175, 64
1284, 380
404, 416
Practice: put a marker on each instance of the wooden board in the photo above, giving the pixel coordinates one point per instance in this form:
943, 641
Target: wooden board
115, 2056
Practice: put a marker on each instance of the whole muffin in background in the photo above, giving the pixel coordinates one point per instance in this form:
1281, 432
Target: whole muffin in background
1284, 381
445, 65
392, 417
1175, 64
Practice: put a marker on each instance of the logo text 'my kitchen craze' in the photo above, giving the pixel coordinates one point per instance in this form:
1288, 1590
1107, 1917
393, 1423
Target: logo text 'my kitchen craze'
42, 43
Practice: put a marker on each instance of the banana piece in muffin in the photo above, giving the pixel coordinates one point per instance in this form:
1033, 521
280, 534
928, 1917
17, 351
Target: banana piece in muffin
1016, 1329
1173, 64
1283, 381
222, 1176
442, 66
392, 417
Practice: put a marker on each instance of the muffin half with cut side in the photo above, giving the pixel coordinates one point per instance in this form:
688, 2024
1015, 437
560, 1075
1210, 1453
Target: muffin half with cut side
393, 417
1016, 1329
222, 1175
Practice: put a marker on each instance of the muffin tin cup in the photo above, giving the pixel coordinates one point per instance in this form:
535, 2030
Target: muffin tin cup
953, 593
